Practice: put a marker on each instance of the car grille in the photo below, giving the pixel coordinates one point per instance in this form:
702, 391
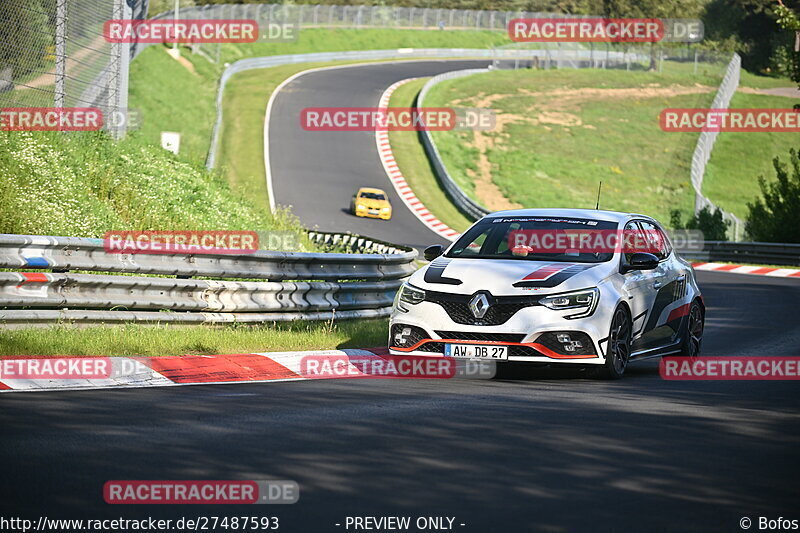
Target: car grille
500, 310
485, 337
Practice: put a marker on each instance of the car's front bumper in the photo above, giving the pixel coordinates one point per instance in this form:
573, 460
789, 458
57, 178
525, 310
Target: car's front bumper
372, 213
531, 334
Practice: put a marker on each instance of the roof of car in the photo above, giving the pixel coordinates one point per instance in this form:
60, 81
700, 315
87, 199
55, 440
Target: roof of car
371, 189
593, 214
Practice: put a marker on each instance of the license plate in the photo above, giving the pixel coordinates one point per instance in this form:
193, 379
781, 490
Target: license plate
476, 351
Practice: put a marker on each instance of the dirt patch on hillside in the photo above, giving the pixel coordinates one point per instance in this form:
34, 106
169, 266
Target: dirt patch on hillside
788, 92
486, 190
553, 108
559, 99
185, 63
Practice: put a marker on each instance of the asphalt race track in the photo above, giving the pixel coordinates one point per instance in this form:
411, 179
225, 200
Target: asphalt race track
544, 451
317, 173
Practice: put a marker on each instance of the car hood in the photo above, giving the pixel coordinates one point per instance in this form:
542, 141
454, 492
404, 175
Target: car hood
509, 277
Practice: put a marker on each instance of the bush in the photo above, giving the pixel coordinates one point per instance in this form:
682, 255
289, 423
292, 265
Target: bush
712, 224
776, 216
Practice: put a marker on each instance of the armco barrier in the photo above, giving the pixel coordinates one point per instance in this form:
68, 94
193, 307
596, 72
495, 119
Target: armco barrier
759, 253
464, 203
297, 286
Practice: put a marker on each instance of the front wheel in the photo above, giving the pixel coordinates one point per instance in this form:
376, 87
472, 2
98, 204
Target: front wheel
693, 335
618, 350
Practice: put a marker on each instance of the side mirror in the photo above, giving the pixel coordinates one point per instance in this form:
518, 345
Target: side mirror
432, 252
642, 261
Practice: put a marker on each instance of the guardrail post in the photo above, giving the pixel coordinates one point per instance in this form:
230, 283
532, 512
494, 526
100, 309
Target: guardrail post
61, 53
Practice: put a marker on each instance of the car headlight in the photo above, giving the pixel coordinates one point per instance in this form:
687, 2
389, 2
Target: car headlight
584, 302
410, 294
361, 206
385, 208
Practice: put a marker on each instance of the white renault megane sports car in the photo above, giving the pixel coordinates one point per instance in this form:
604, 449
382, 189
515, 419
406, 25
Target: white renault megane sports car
491, 295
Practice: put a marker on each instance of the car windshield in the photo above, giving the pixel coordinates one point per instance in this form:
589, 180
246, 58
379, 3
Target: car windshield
372, 196
514, 237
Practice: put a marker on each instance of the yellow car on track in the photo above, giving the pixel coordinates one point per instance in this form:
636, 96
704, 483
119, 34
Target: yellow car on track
373, 203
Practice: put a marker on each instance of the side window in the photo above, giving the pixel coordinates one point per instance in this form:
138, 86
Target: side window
665, 240
631, 227
656, 238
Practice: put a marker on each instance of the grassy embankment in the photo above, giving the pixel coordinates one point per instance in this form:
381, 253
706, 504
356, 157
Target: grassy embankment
738, 159
560, 132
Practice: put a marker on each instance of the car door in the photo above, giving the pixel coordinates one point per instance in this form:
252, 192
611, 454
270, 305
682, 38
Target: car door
640, 287
657, 330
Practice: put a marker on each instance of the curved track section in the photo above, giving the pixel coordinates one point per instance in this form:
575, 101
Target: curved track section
317, 172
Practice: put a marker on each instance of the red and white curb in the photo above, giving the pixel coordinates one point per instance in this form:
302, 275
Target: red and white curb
137, 372
745, 269
399, 182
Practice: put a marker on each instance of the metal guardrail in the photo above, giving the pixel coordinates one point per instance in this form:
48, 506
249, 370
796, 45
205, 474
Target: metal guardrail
297, 286
460, 199
759, 253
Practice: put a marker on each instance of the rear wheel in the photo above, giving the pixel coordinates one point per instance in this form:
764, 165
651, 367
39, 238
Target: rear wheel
618, 351
693, 335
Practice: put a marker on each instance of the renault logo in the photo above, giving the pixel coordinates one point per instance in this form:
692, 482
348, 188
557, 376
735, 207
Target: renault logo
479, 305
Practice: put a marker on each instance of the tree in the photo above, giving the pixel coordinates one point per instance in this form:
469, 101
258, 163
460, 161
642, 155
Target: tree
776, 216
788, 20
712, 224
648, 9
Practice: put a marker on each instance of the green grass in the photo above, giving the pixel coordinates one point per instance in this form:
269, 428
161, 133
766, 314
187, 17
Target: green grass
738, 159
764, 82
616, 140
173, 98
133, 340
416, 169
84, 184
